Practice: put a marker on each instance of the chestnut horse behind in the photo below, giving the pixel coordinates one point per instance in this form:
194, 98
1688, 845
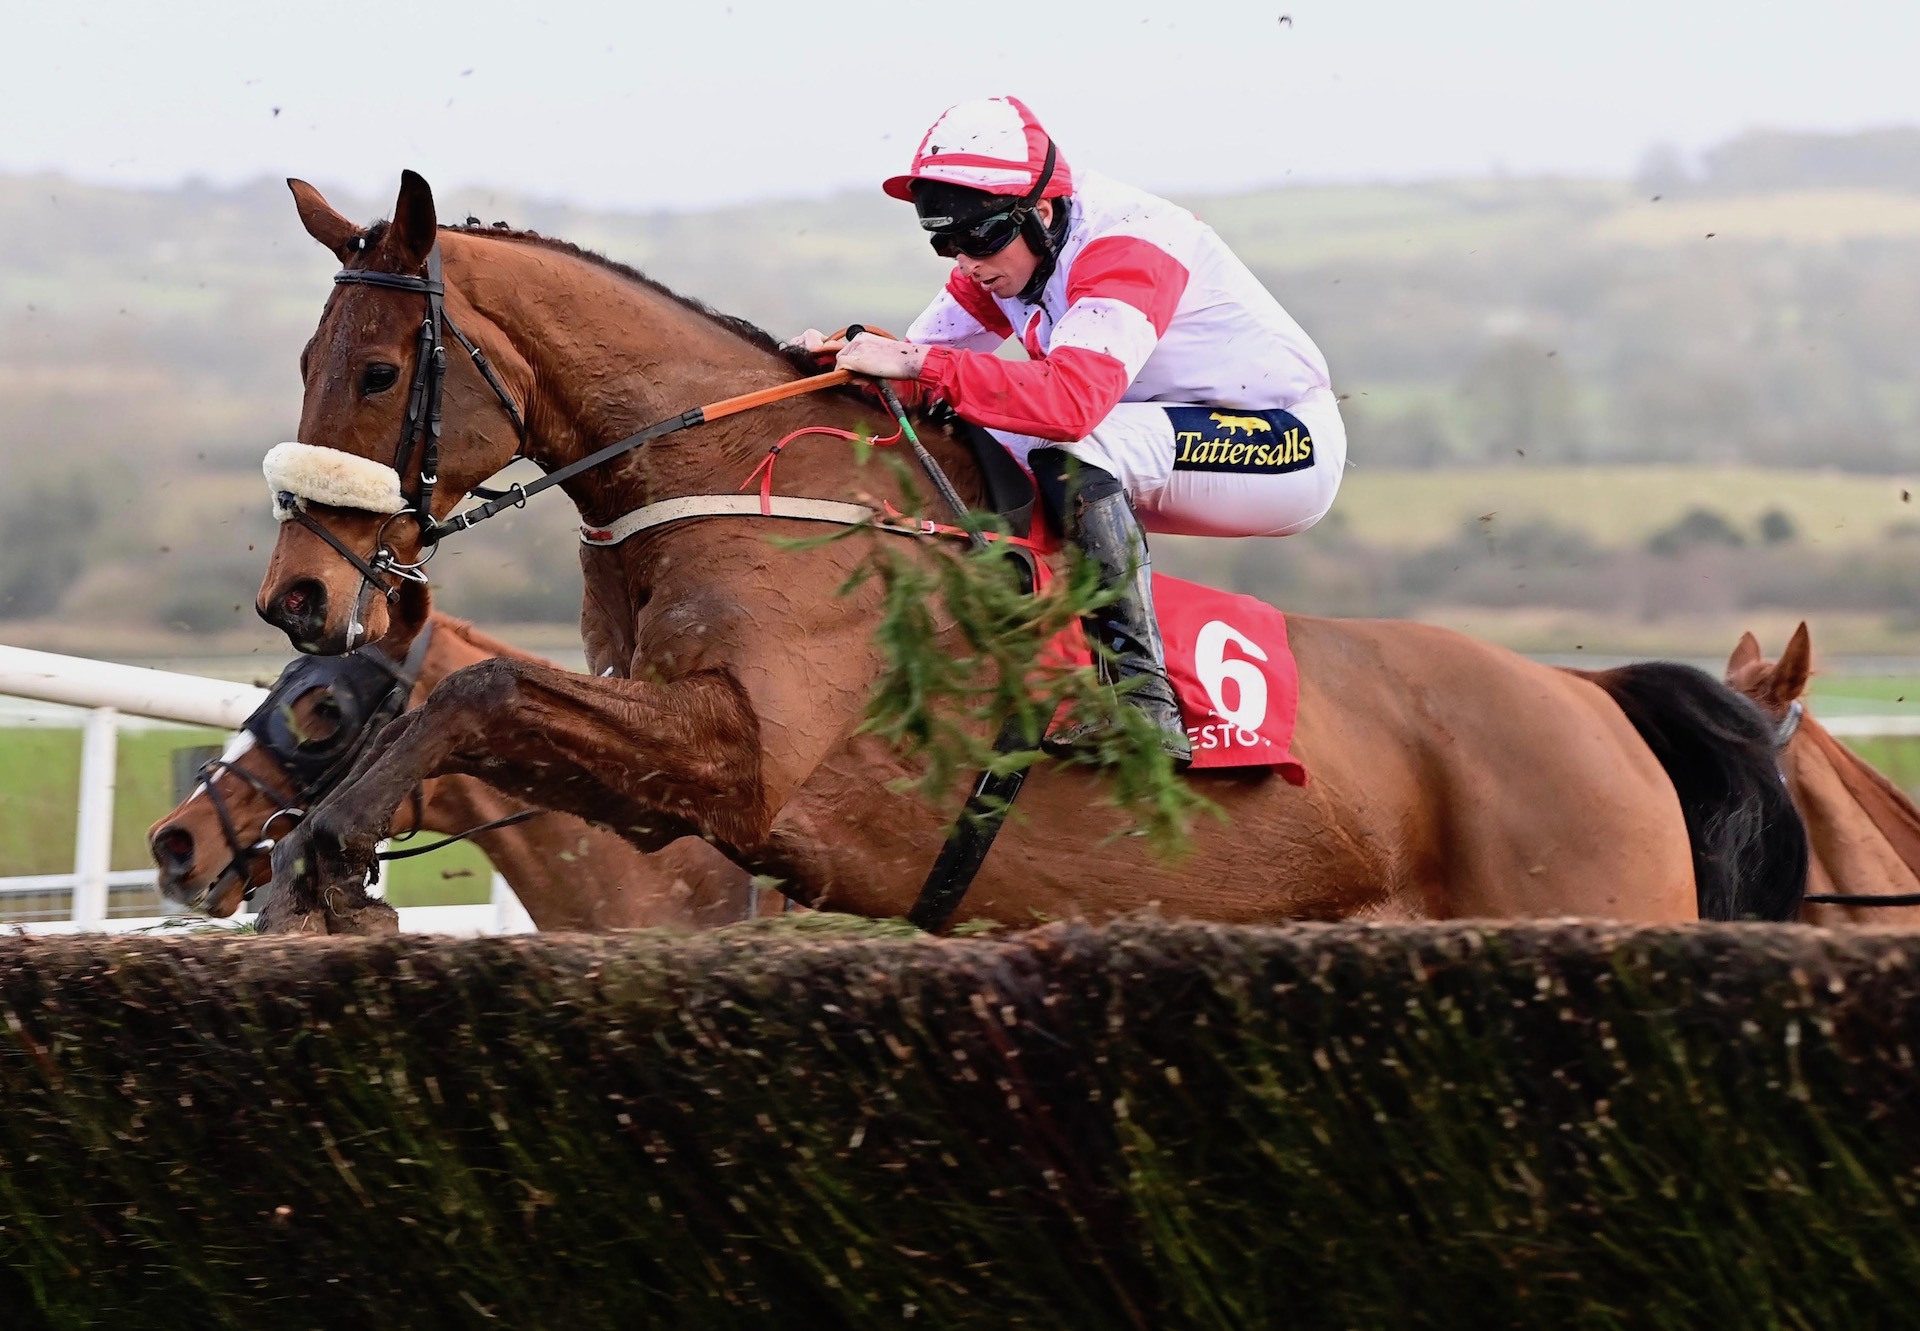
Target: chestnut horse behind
1863, 830
213, 849
729, 677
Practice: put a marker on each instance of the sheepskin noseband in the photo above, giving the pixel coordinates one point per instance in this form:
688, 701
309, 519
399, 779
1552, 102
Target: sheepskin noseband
308, 474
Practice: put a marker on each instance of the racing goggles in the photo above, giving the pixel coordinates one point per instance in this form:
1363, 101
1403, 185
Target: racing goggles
986, 233
982, 238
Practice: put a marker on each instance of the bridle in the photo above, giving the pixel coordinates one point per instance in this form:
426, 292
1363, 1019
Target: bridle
416, 458
1783, 733
367, 686
420, 437
1789, 726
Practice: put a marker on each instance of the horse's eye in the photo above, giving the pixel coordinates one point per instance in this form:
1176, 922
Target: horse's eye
378, 378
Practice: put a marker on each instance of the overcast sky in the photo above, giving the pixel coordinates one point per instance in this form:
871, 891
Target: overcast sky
698, 102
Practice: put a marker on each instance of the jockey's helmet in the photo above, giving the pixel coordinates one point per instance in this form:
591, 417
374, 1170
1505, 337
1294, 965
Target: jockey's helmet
993, 145
977, 175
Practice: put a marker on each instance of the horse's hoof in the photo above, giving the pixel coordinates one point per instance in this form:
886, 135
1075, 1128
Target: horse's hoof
373, 919
289, 922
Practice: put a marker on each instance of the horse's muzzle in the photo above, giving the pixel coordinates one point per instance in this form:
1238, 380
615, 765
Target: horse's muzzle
173, 854
300, 612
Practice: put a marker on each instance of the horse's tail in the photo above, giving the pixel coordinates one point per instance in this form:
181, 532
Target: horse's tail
1749, 845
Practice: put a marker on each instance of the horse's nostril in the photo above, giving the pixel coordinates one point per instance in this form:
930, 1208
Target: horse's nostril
173, 848
299, 611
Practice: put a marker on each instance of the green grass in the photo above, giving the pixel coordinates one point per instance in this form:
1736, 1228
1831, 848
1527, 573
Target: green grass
1896, 759
39, 792
1890, 695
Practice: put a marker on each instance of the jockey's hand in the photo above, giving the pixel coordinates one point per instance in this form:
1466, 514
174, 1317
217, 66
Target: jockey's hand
824, 346
881, 357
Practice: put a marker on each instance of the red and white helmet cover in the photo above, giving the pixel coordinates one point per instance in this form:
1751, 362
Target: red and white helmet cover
994, 144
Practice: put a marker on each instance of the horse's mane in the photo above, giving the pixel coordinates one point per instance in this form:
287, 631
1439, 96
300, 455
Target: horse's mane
1889, 808
744, 329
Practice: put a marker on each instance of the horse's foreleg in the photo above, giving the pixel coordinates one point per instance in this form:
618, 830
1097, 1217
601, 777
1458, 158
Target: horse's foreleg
650, 761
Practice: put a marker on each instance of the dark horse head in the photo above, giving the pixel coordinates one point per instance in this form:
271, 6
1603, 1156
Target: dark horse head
318, 717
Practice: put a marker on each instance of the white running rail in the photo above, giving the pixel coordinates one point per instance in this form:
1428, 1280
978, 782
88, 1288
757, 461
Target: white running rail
1872, 727
107, 691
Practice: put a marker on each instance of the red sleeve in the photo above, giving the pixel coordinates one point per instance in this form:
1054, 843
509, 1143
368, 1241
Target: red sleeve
978, 303
1138, 272
1061, 397
1095, 351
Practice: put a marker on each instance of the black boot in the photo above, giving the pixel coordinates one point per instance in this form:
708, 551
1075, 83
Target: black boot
1101, 523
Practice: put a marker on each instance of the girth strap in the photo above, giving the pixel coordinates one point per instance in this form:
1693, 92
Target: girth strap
978, 825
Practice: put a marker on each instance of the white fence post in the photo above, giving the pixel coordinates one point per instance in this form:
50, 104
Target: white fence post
509, 915
93, 844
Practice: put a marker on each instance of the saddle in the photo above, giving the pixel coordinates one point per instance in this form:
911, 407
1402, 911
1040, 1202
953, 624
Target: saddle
1010, 491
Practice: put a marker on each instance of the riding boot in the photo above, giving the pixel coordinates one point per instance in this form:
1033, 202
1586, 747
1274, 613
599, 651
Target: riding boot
1101, 523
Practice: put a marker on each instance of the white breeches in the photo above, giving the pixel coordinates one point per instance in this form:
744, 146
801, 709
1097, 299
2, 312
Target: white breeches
1215, 471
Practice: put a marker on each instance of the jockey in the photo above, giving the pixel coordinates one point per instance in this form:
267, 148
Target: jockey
1161, 376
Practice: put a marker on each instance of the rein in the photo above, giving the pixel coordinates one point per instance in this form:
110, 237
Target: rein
516, 496
492, 825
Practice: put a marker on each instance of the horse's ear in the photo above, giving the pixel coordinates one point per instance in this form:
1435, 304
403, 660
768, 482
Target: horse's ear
415, 226
1791, 671
1745, 653
321, 221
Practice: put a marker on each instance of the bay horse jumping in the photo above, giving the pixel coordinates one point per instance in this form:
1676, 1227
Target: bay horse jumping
729, 676
1863, 830
212, 850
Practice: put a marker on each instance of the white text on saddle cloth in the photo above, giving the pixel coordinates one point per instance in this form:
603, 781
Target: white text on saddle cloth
1232, 670
1235, 676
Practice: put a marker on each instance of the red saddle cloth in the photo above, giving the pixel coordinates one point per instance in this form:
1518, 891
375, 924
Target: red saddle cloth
1233, 672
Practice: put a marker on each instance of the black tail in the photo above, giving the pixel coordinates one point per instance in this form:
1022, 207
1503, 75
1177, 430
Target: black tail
1749, 845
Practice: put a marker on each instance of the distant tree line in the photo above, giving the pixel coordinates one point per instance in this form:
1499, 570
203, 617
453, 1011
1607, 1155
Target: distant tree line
1772, 159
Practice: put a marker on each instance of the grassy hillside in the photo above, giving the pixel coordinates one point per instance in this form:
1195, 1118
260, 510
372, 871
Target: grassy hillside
1616, 506
1818, 217
1577, 352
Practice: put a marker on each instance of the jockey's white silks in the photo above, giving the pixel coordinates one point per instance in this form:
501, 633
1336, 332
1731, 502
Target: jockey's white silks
316, 475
